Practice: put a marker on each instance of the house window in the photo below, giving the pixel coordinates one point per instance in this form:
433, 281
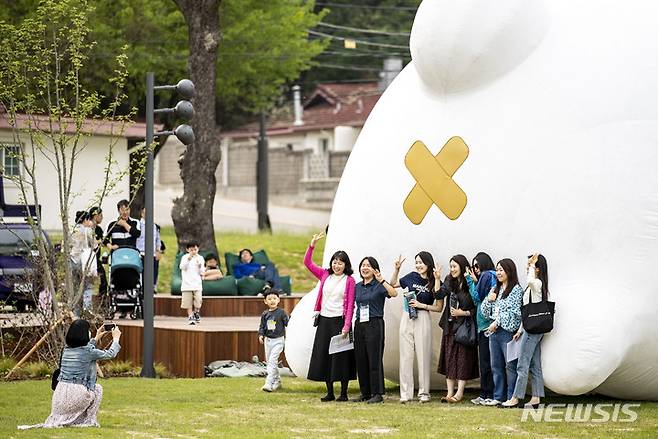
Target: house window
324, 146
10, 162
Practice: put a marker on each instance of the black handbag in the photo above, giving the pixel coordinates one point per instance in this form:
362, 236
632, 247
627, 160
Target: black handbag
537, 317
466, 333
55, 375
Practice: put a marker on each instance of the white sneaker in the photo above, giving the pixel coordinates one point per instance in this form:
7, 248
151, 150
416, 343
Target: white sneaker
477, 401
491, 402
266, 388
191, 321
424, 398
276, 385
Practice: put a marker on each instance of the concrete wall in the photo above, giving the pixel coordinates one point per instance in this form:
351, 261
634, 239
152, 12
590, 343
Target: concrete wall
87, 179
301, 173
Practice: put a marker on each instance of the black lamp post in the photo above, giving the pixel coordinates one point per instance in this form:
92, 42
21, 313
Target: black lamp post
185, 110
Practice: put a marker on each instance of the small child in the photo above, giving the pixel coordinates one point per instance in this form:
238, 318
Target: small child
192, 267
272, 333
213, 272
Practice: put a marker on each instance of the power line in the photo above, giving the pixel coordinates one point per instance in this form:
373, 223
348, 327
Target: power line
355, 6
343, 67
363, 55
367, 43
365, 31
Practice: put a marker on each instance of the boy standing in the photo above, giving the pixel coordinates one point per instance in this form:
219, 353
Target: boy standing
192, 267
272, 333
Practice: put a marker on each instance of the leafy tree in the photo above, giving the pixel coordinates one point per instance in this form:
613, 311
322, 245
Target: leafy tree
46, 101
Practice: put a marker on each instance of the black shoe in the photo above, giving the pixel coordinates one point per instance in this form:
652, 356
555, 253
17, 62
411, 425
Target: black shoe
377, 399
361, 398
341, 398
327, 398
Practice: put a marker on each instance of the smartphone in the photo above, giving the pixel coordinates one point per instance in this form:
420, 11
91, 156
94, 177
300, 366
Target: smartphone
109, 326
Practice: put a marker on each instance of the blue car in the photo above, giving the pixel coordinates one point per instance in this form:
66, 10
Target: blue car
19, 286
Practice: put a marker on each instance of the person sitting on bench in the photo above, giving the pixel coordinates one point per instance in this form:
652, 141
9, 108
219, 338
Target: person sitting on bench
213, 272
247, 267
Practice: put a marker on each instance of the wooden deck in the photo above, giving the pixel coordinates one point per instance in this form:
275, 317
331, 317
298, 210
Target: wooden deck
234, 306
228, 331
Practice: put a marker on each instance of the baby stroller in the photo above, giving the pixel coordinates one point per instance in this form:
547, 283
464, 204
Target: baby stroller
126, 291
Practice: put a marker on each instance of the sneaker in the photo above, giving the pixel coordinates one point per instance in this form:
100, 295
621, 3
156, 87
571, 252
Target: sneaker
276, 385
491, 402
377, 399
191, 320
197, 317
478, 401
424, 398
266, 388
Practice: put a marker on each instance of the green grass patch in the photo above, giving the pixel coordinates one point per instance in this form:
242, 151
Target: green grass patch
236, 407
284, 249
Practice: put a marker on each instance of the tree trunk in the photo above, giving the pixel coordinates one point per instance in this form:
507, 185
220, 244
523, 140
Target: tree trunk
192, 213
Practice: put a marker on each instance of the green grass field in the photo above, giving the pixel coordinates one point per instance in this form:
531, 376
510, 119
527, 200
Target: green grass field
285, 250
236, 407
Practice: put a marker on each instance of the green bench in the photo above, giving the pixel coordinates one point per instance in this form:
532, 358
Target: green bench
249, 286
228, 285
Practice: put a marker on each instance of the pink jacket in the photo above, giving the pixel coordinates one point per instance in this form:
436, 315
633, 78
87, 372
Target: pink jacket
322, 275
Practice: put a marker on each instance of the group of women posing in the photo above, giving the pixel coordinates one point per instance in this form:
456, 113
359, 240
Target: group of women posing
476, 293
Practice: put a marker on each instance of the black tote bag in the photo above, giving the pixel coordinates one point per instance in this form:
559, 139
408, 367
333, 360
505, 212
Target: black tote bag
467, 333
537, 317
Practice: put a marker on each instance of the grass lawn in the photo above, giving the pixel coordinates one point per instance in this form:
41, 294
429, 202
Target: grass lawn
236, 407
285, 250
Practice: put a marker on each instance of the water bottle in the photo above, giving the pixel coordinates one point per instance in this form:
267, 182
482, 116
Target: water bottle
413, 313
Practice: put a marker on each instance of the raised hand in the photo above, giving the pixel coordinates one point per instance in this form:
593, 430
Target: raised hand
316, 238
398, 262
437, 272
378, 276
533, 259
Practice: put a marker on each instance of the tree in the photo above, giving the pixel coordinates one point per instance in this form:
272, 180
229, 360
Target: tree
257, 47
274, 29
47, 103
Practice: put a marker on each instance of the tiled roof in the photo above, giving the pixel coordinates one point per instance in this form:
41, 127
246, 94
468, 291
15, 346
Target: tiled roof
89, 126
329, 105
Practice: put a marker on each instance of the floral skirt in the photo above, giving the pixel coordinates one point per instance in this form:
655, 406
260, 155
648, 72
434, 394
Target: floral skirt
73, 406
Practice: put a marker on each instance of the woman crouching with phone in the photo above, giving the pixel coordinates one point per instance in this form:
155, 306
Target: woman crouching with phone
77, 397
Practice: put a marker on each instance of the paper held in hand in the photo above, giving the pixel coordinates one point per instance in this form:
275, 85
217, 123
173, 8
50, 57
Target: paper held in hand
338, 343
513, 350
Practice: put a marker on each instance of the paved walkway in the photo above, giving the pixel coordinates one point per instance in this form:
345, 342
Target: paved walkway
238, 215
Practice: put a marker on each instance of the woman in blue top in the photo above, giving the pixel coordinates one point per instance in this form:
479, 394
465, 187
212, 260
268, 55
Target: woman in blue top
484, 273
369, 297
77, 398
416, 325
503, 306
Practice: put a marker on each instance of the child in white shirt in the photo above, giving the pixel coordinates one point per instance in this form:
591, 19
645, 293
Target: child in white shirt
192, 267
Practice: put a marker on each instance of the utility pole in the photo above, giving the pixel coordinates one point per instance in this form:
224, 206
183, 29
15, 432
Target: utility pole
262, 177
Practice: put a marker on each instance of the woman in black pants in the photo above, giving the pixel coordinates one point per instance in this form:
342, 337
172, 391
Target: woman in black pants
370, 295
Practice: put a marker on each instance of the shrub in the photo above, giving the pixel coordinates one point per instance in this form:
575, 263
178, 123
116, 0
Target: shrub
161, 370
6, 364
119, 368
37, 369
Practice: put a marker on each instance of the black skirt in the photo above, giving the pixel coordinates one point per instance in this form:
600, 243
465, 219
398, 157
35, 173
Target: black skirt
325, 367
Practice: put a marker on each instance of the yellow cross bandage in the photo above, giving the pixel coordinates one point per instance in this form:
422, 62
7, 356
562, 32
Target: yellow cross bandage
434, 183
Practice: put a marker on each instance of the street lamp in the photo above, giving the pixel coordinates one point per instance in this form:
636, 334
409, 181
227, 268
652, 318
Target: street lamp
185, 110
